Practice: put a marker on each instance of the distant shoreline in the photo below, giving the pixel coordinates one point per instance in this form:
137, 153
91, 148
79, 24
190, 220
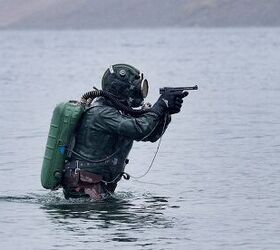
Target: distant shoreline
143, 28
135, 14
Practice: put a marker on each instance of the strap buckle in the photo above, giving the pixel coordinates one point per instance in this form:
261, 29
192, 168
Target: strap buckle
77, 169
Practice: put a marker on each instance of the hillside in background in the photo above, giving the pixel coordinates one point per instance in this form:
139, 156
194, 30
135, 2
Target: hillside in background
89, 14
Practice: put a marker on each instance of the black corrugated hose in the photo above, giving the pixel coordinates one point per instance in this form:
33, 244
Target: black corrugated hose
117, 104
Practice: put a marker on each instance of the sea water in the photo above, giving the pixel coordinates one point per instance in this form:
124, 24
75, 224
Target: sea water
215, 183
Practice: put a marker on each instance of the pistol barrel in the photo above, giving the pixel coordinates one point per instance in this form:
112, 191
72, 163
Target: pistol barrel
162, 90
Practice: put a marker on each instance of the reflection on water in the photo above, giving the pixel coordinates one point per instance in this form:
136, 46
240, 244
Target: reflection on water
122, 212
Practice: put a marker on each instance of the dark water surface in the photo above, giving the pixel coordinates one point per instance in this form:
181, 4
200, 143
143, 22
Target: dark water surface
216, 181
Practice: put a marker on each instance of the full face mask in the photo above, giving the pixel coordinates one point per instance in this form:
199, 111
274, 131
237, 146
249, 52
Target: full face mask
126, 83
138, 91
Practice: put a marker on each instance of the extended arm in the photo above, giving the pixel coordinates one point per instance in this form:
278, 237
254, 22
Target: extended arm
147, 127
160, 129
112, 121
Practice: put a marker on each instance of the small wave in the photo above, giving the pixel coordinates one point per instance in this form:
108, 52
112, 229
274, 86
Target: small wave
23, 198
55, 199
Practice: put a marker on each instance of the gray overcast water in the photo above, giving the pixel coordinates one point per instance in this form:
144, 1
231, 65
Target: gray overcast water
216, 181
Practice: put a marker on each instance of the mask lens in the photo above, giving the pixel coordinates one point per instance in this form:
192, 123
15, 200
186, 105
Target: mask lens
144, 88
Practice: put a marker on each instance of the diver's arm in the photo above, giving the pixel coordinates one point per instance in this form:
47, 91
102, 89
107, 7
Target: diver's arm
112, 121
144, 127
160, 129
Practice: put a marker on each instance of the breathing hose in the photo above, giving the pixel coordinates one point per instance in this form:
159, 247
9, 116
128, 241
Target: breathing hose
98, 93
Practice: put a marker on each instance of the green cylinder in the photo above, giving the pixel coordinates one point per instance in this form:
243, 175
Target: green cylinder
64, 121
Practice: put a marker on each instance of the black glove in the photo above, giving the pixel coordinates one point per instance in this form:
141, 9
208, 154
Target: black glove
170, 101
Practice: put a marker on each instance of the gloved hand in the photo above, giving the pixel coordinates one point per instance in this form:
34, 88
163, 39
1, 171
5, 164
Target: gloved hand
170, 101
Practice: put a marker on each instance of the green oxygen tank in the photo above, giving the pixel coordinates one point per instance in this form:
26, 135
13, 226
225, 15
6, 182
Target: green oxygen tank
64, 121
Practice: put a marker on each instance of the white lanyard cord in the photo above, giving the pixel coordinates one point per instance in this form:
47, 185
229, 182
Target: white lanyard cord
157, 150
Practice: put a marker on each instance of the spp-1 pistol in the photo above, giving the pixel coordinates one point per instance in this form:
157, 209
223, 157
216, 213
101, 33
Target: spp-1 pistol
173, 89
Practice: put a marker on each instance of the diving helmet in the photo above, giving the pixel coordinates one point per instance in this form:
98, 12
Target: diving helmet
126, 83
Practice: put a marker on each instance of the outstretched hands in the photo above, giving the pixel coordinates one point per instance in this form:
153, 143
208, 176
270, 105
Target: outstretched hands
170, 101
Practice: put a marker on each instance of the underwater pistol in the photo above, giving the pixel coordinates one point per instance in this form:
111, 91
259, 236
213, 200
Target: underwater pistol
173, 89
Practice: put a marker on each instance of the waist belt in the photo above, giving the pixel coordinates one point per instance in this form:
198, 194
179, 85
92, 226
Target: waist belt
74, 176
